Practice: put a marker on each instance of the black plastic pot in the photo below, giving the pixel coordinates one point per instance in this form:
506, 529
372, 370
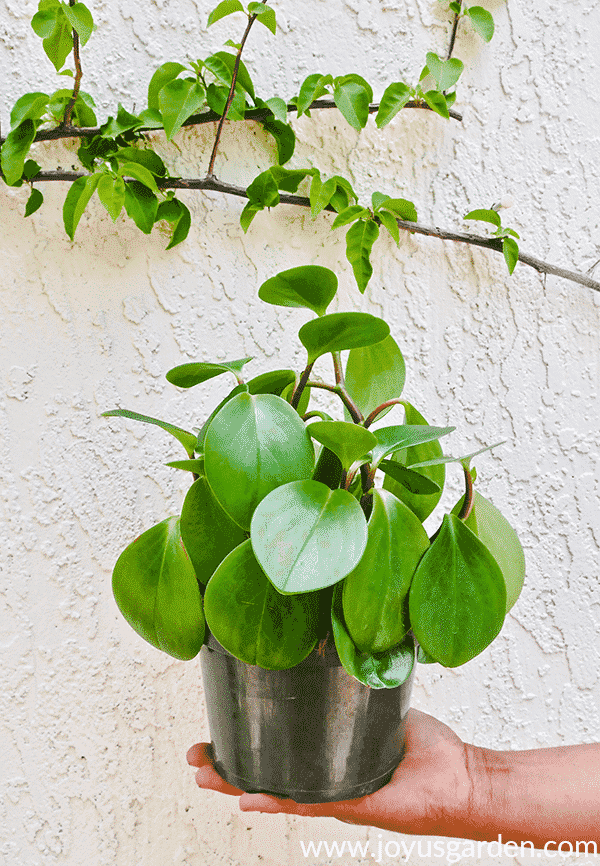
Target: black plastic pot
312, 733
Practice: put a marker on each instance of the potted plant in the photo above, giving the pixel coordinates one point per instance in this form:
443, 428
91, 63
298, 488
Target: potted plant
310, 586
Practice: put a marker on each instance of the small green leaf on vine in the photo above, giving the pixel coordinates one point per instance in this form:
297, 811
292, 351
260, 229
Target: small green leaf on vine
265, 14
482, 21
34, 201
77, 200
510, 248
394, 98
360, 238
484, 215
80, 19
226, 7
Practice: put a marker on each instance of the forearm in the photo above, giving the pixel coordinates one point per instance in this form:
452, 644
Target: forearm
537, 796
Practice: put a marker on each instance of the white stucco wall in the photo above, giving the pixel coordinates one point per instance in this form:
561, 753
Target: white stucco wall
95, 723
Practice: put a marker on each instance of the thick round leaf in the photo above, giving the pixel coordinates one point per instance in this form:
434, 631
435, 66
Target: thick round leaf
252, 620
208, 533
457, 599
188, 375
491, 527
349, 441
338, 331
379, 671
375, 374
272, 382
253, 445
307, 536
421, 505
309, 286
375, 592
155, 587
328, 469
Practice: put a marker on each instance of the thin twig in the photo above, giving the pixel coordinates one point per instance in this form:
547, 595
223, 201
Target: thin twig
453, 33
66, 123
236, 67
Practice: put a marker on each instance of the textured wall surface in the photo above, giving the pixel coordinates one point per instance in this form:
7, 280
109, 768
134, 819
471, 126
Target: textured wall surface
95, 723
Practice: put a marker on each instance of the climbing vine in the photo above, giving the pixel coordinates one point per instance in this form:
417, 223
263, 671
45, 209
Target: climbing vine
126, 173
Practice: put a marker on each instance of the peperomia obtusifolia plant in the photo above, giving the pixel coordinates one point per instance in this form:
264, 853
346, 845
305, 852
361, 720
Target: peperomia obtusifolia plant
288, 539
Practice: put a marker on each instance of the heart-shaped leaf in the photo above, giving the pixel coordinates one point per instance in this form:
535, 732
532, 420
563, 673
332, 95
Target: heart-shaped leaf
482, 21
338, 331
375, 592
445, 72
188, 375
494, 530
307, 537
457, 599
375, 374
252, 620
385, 670
253, 445
208, 533
348, 441
155, 587
309, 286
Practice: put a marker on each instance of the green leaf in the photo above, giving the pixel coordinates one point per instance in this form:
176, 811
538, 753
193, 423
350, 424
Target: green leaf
437, 102
111, 192
15, 149
400, 207
226, 7
375, 374
375, 592
482, 21
123, 122
494, 530
188, 375
457, 598
307, 537
239, 389
312, 88
253, 445
34, 202
349, 441
414, 482
80, 19
30, 106
249, 212
243, 76
279, 108
182, 226
343, 195
252, 620
349, 215
272, 382
141, 205
77, 200
31, 169
195, 465
44, 20
284, 136
265, 14
208, 533
178, 100
156, 590
465, 460
288, 179
394, 98
321, 194
390, 439
329, 468
165, 73
309, 286
389, 222
59, 43
338, 331
188, 440
353, 101
288, 393
422, 505
510, 248
144, 156
378, 671
263, 191
360, 238
488, 216
445, 72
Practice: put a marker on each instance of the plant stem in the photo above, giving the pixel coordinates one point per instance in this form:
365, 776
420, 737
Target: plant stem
453, 33
66, 123
344, 397
370, 418
236, 67
467, 505
301, 386
337, 366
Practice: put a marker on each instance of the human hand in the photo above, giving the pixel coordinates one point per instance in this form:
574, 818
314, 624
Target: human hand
429, 793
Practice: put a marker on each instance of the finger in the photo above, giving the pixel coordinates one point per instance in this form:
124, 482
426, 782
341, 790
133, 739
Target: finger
276, 805
199, 755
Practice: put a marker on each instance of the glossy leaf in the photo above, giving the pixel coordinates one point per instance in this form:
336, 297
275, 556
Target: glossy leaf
379, 671
465, 460
34, 202
140, 173
307, 536
421, 505
494, 530
243, 77
413, 481
141, 205
401, 208
253, 445
226, 7
482, 21
510, 249
321, 193
338, 331
349, 441
239, 389
288, 179
188, 440
195, 465
349, 215
279, 108
284, 136
309, 286
111, 192
484, 215
208, 533
457, 598
437, 102
80, 19
272, 382
155, 587
265, 14
445, 72
375, 592
78, 196
394, 98
263, 190
15, 149
390, 223
30, 106
328, 469
312, 88
360, 238
182, 225
165, 73
188, 375
178, 100
353, 101
390, 439
375, 374
252, 620
144, 156
58, 43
